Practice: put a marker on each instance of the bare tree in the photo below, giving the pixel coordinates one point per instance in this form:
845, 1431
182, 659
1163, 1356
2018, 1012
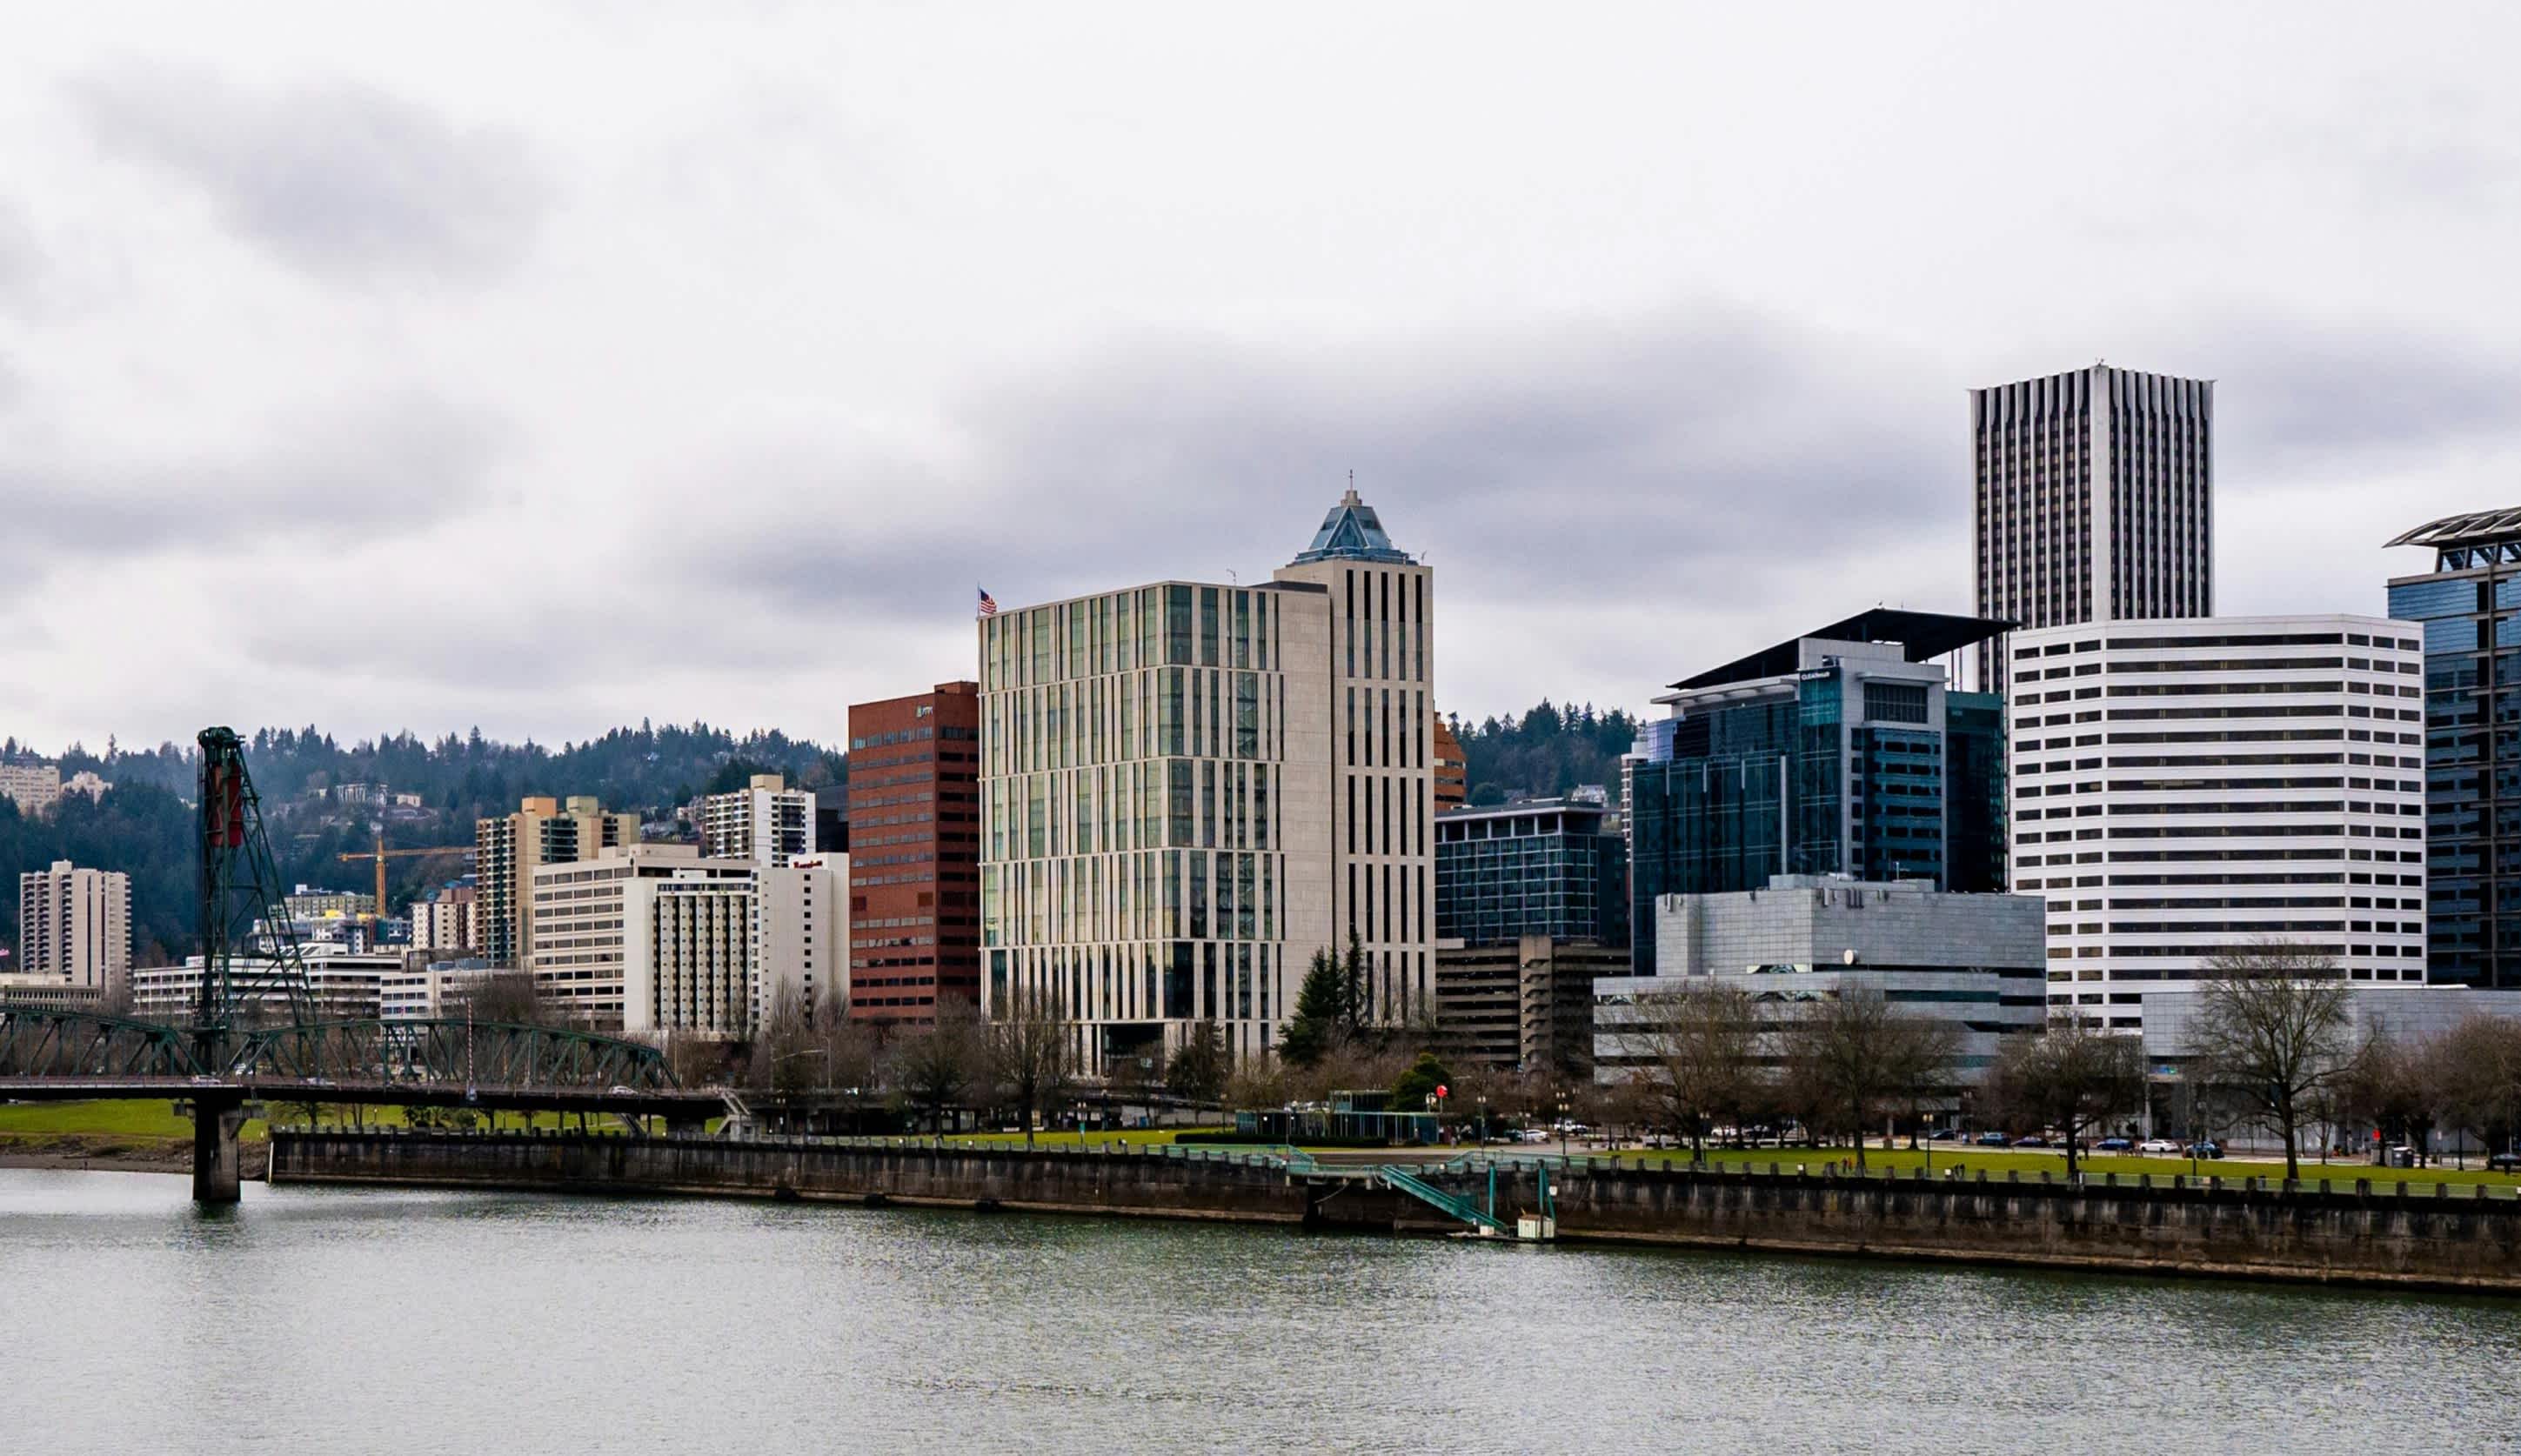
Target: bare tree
849, 1046
2396, 1085
1351, 1064
1198, 1071
2271, 1027
698, 1061
785, 1050
1702, 1043
1032, 1052
2074, 1078
935, 1067
2477, 1078
1257, 1083
511, 997
1852, 1057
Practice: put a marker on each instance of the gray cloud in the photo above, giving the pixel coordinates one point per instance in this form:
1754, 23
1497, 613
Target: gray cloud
2299, 393
1675, 459
326, 475
341, 181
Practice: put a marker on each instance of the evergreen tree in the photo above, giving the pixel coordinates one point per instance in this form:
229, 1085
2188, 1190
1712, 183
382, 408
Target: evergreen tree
1352, 987
1322, 1017
1419, 1083
1199, 1070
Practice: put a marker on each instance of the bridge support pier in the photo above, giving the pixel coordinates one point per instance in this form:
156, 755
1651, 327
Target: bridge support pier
217, 1170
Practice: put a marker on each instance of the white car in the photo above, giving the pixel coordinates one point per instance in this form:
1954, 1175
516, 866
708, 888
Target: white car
2158, 1145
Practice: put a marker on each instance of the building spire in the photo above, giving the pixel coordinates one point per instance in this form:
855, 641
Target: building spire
1351, 531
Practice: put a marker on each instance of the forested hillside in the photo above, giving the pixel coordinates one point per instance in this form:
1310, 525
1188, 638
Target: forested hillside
143, 827
1548, 751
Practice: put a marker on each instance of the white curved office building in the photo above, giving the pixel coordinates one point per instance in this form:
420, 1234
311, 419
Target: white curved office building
2181, 787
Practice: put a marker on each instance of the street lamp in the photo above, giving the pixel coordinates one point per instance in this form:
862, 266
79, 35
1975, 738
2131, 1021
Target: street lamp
1562, 1124
823, 1052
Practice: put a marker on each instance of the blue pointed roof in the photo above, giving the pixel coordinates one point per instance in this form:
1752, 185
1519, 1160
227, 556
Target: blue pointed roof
1351, 531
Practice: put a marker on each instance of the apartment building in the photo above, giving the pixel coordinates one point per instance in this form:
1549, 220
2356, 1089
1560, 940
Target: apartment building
509, 849
448, 921
34, 783
74, 926
2183, 787
659, 938
765, 822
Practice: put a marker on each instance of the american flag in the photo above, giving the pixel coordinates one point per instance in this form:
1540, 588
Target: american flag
988, 604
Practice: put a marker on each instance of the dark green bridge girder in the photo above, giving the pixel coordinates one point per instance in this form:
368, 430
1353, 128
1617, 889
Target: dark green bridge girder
46, 1041
451, 1051
55, 1043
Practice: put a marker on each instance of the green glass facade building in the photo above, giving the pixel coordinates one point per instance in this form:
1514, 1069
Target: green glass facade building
1842, 753
2469, 606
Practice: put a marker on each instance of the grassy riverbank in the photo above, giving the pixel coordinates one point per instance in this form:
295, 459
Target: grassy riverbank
1996, 1162
151, 1131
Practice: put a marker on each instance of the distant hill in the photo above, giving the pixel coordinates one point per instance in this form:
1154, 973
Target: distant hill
143, 828
1548, 751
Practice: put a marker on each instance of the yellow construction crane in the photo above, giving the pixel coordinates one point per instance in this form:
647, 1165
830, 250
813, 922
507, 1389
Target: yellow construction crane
381, 855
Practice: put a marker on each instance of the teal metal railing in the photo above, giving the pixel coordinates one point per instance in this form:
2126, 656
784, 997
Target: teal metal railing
1429, 1193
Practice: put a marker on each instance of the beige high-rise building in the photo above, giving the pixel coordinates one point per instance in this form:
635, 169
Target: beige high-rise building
32, 784
74, 926
1188, 789
765, 822
509, 849
1381, 726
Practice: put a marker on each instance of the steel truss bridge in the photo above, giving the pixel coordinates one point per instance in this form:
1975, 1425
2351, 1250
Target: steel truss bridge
254, 1032
54, 1054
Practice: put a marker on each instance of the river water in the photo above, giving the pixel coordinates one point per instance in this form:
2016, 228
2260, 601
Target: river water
342, 1320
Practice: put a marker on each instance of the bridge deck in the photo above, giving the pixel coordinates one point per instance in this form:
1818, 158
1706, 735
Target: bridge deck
627, 1102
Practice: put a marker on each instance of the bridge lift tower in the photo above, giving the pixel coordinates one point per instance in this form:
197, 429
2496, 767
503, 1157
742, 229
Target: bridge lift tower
241, 980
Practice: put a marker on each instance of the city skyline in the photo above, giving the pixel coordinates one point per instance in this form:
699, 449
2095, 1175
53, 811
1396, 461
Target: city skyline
498, 418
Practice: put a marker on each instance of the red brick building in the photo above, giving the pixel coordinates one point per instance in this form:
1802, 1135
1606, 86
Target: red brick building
915, 854
1453, 768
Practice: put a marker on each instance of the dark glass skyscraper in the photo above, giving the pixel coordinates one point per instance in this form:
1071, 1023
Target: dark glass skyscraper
1843, 752
1540, 867
2470, 608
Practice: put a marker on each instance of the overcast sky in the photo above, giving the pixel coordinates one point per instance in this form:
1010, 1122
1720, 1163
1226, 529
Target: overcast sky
548, 367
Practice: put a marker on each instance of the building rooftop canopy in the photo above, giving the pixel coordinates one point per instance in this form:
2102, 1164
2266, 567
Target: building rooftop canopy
1351, 531
1923, 635
2475, 528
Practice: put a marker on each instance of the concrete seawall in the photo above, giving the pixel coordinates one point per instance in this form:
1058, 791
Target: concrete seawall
2382, 1238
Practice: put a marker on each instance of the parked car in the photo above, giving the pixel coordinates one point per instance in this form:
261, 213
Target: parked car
2205, 1148
2113, 1145
2033, 1140
2159, 1145
1991, 1140
1942, 1134
2503, 1162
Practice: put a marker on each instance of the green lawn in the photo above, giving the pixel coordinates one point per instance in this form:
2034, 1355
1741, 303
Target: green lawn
2029, 1164
133, 1119
1137, 1137
156, 1119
